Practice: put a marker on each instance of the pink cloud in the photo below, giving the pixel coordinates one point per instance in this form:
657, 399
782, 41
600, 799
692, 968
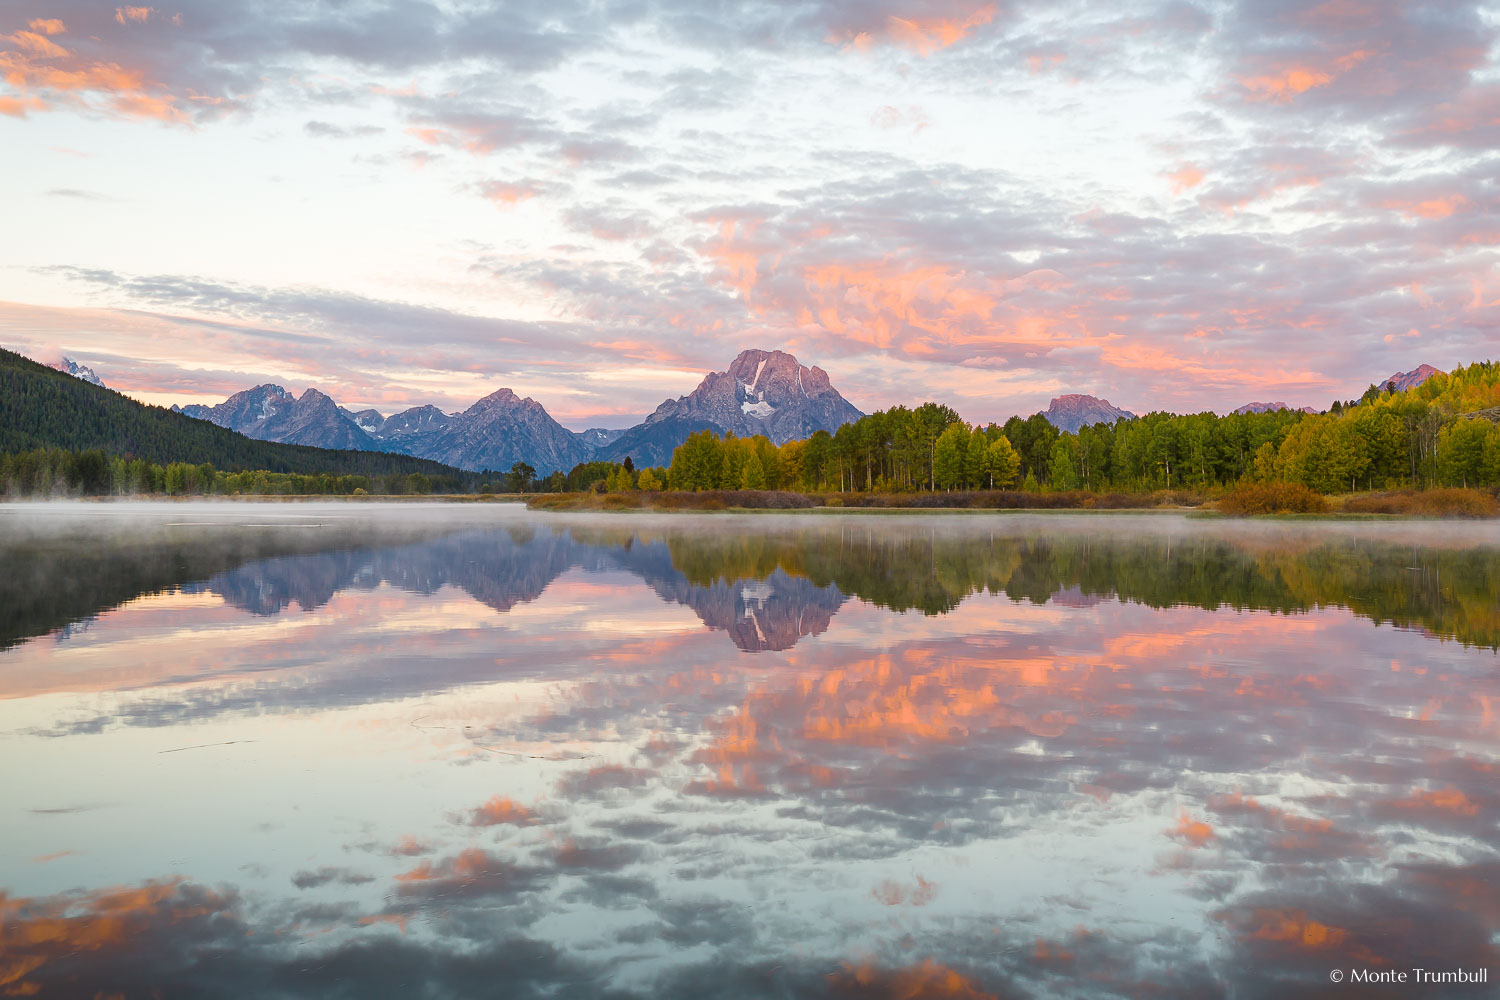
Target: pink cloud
136, 15
1185, 178
923, 33
48, 75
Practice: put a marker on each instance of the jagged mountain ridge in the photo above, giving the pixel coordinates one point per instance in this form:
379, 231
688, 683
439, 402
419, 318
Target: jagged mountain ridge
496, 432
502, 429
1258, 407
270, 413
1074, 410
70, 367
762, 392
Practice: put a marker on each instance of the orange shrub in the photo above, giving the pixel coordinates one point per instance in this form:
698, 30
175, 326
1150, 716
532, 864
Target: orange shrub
1248, 499
1447, 502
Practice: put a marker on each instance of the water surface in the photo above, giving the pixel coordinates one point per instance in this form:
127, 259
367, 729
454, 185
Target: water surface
427, 751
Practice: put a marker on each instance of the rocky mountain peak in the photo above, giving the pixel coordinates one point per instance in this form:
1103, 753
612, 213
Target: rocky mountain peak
70, 367
1074, 410
1402, 381
504, 398
368, 421
313, 398
761, 392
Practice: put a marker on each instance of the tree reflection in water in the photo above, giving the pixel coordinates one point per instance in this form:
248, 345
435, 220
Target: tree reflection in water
979, 756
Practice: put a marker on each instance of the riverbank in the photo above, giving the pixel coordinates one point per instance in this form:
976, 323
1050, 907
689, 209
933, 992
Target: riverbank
1255, 501
1250, 501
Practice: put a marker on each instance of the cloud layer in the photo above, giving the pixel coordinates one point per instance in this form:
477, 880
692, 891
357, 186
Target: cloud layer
1174, 205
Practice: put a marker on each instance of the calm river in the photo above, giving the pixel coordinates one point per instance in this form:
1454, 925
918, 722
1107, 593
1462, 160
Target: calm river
430, 751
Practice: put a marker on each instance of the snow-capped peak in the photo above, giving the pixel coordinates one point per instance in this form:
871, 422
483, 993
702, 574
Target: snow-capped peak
71, 367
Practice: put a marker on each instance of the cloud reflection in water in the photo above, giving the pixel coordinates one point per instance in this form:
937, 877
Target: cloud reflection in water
845, 757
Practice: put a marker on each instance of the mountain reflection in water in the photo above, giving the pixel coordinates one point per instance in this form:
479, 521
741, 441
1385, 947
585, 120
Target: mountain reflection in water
449, 751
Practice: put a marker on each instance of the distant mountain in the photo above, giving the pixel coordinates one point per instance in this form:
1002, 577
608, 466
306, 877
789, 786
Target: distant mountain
496, 432
1402, 381
368, 421
270, 413
500, 430
763, 392
1271, 408
41, 407
412, 430
1069, 413
598, 437
653, 443
70, 367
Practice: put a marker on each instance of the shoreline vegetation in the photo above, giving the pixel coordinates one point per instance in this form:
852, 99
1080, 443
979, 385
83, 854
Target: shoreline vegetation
1443, 502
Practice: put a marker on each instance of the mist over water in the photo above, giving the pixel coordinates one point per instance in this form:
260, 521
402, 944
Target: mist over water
374, 750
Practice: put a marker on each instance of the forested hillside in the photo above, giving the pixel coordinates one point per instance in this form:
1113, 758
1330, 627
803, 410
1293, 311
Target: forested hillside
41, 408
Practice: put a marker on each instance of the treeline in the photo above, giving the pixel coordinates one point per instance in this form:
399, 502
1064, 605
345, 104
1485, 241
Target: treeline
1452, 592
1441, 433
57, 472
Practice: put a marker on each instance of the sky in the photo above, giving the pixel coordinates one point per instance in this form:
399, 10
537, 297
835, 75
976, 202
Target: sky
1179, 205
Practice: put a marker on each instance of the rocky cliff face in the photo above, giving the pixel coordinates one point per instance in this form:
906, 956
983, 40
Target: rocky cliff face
1069, 413
270, 413
762, 392
368, 421
502, 429
1410, 380
414, 431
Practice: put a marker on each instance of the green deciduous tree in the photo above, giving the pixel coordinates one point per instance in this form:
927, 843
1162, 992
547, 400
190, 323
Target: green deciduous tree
1001, 463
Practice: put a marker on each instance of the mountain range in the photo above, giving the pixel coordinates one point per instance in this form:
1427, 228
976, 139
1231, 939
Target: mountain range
1270, 408
762, 392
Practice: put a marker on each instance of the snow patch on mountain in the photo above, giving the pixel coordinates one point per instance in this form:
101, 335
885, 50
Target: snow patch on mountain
759, 409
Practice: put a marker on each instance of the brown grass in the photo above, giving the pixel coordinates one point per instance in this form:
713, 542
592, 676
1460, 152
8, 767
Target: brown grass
1019, 500
1447, 502
784, 500
1248, 499
675, 500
